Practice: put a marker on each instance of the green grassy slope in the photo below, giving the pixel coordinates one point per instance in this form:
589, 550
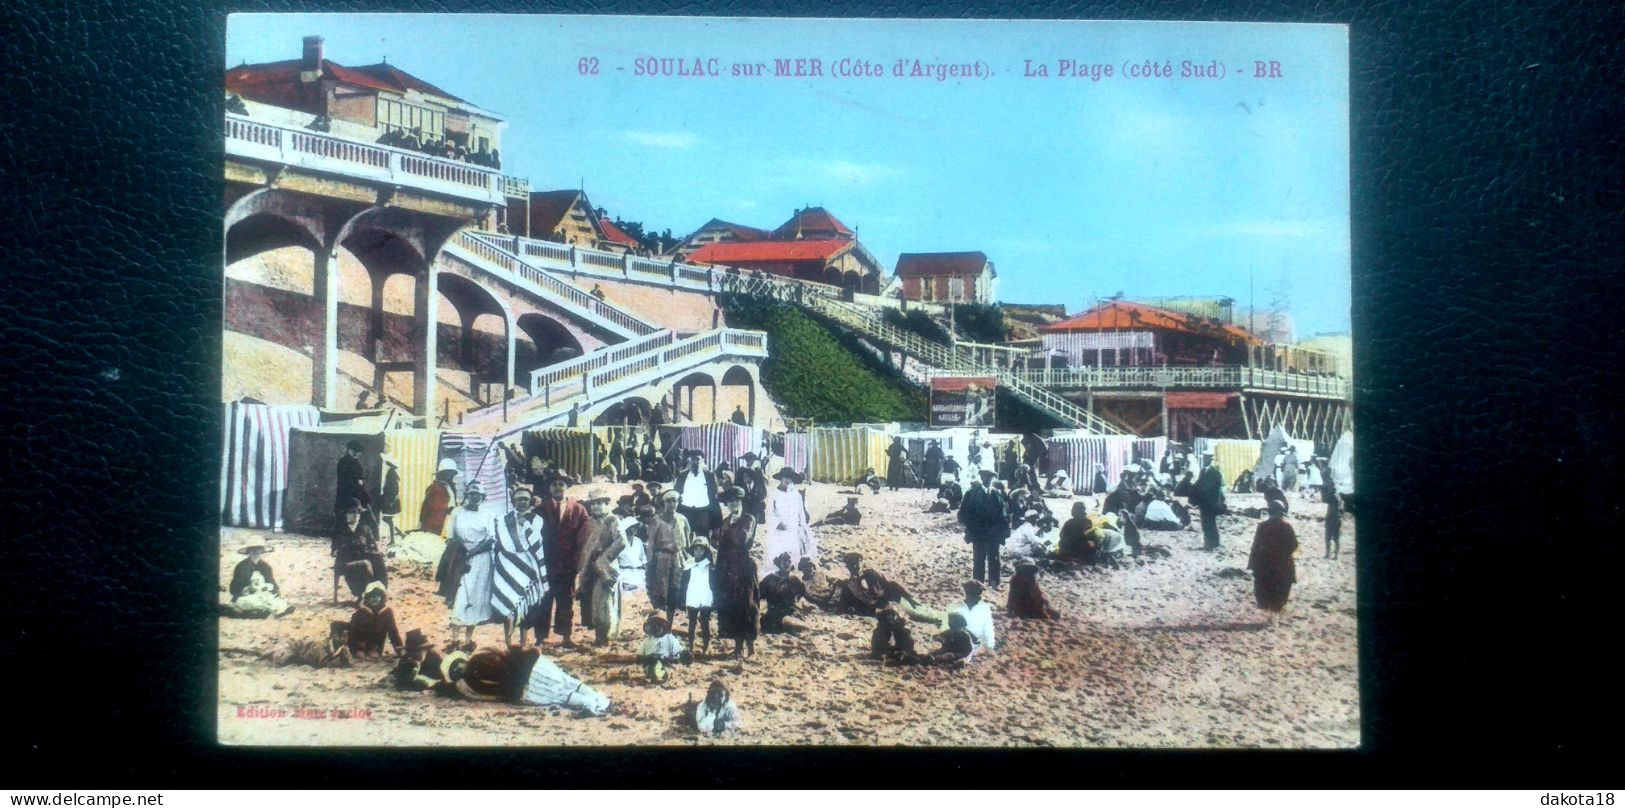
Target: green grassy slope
817, 372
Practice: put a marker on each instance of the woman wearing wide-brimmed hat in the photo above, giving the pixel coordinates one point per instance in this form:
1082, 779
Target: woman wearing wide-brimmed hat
735, 577
788, 531
253, 589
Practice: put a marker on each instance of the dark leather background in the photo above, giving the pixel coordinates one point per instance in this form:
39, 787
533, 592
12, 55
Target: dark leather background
1488, 215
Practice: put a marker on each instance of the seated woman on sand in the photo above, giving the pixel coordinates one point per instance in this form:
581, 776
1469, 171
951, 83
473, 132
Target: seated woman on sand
254, 593
717, 714
1027, 599
1059, 486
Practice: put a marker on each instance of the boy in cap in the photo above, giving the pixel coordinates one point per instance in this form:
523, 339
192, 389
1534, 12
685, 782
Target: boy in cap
419, 666
956, 645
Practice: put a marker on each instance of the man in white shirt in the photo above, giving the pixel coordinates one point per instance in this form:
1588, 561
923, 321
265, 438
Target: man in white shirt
696, 494
978, 617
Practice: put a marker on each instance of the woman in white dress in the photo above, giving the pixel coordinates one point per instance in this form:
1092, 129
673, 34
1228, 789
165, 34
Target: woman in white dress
476, 532
788, 531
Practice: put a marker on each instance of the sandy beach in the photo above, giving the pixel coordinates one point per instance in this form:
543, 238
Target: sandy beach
1170, 652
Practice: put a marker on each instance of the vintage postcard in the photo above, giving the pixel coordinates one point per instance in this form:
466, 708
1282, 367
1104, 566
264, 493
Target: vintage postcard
672, 380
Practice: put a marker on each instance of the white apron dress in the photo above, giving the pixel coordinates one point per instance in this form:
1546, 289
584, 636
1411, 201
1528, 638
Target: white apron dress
473, 604
788, 508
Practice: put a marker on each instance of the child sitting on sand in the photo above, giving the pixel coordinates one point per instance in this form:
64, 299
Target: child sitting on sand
659, 649
1026, 597
957, 646
717, 714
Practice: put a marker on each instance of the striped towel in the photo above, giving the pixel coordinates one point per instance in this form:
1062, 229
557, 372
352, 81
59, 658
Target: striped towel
518, 584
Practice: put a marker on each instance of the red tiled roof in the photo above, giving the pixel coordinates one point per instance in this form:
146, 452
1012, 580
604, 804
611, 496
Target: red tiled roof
616, 234
377, 77
746, 252
392, 75
1125, 314
920, 265
814, 219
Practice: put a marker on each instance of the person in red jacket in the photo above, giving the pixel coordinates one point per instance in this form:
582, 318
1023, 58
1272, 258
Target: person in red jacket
566, 526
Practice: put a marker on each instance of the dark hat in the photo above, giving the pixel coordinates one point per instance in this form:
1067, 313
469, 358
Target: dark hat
748, 456
337, 626
354, 446
1026, 566
646, 511
732, 493
988, 473
851, 558
693, 453
624, 499
416, 640
787, 473
972, 586
351, 504
785, 557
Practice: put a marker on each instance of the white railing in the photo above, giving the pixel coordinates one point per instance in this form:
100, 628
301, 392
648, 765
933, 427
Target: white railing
1229, 377
948, 358
554, 257
327, 154
612, 371
516, 187
502, 262
544, 381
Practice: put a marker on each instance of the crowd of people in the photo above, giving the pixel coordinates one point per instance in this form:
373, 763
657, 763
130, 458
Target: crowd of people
717, 541
438, 146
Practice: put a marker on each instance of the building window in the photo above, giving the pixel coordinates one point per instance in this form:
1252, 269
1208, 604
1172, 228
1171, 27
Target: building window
397, 116
956, 288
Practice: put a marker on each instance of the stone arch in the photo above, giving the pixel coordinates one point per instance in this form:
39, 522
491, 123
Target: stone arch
832, 276
853, 280
543, 341
629, 411
738, 376
262, 231
486, 357
870, 284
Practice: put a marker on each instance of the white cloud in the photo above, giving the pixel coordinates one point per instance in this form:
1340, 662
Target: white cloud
851, 173
660, 140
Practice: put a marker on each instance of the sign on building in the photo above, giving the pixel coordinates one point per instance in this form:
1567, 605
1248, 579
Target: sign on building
963, 401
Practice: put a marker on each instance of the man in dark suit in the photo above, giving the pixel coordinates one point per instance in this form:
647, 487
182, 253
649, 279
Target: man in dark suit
982, 512
1208, 496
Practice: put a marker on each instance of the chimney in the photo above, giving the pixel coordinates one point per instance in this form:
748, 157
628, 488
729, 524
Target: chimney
312, 61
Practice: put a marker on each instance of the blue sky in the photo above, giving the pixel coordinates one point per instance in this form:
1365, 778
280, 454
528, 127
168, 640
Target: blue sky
1076, 189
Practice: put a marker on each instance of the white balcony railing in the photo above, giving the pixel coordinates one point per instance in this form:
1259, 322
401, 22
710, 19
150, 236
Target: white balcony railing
326, 154
1232, 377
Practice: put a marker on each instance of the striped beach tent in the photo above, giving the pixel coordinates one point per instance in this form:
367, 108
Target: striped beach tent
478, 457
254, 461
721, 443
416, 452
569, 448
1231, 455
840, 454
798, 451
